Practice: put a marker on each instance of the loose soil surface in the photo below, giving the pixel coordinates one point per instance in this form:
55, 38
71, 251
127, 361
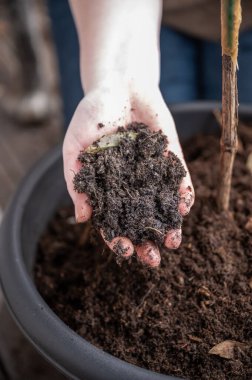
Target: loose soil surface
133, 187
165, 319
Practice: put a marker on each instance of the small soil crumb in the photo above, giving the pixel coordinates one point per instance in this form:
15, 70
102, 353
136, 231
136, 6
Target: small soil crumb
100, 125
168, 319
133, 187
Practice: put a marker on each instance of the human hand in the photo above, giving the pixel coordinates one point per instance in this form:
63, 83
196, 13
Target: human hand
118, 106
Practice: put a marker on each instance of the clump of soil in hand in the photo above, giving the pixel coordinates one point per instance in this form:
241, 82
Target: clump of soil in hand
133, 187
192, 316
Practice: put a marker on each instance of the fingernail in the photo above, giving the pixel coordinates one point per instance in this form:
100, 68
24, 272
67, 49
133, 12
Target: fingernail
183, 209
173, 239
148, 255
121, 248
80, 218
187, 199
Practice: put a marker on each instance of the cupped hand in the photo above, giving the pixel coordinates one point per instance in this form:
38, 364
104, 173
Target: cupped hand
115, 106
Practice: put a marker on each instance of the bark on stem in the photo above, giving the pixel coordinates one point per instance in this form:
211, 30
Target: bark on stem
230, 23
229, 130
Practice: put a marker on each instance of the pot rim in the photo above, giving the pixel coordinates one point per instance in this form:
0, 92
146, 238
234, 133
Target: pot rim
39, 323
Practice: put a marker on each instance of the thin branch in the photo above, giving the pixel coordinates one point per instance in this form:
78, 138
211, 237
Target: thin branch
230, 23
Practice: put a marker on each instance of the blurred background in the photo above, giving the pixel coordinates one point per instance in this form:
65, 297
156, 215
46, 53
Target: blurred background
30, 124
40, 88
30, 104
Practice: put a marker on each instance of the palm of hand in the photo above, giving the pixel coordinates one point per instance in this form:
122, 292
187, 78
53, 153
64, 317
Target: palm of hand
113, 109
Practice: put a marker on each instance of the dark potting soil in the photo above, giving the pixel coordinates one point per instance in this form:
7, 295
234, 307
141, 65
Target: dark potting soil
165, 319
132, 187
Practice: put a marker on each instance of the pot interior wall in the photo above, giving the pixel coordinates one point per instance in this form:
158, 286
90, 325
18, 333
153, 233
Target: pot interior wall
49, 194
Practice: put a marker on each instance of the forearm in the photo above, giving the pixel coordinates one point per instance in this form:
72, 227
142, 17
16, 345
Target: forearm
118, 39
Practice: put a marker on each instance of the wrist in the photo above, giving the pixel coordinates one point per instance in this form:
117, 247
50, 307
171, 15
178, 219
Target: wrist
119, 82
132, 60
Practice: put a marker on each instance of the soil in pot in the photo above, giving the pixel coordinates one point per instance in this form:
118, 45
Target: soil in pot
192, 316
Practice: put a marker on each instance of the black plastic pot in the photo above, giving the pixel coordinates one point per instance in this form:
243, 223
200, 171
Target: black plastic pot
33, 205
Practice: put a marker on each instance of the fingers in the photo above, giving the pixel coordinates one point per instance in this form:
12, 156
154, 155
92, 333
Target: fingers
173, 239
186, 192
148, 253
121, 246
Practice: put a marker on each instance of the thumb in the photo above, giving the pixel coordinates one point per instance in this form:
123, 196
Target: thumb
83, 210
